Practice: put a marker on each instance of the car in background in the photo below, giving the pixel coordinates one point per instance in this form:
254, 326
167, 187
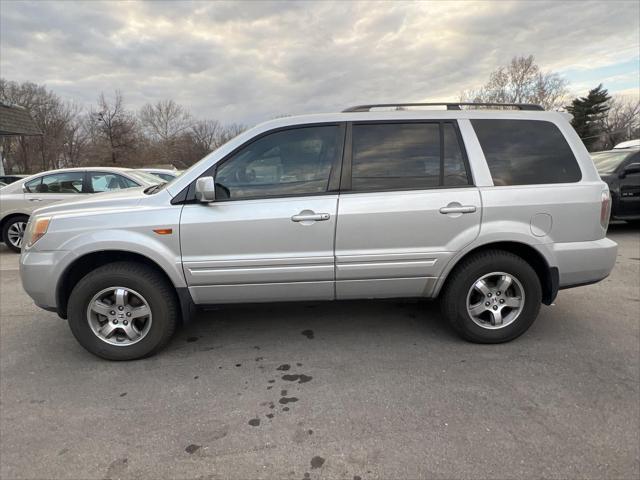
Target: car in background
628, 144
7, 179
19, 199
620, 168
163, 173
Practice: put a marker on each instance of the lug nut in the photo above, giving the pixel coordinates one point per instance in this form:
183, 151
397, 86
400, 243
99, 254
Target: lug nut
128, 314
486, 304
502, 300
495, 307
498, 293
489, 295
125, 322
120, 307
112, 312
115, 322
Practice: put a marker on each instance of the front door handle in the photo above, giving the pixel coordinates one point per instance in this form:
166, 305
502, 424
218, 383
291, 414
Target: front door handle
458, 209
35, 199
308, 216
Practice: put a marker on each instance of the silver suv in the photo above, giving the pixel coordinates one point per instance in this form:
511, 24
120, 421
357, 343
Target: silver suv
492, 210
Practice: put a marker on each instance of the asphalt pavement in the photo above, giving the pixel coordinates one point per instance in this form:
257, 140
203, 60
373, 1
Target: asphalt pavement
331, 390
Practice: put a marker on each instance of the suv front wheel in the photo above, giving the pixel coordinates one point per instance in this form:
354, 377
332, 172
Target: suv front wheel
123, 311
492, 297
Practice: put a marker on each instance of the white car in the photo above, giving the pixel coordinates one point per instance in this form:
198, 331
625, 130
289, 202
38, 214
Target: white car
19, 199
163, 173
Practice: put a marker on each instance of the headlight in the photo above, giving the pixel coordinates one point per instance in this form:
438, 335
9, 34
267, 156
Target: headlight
36, 230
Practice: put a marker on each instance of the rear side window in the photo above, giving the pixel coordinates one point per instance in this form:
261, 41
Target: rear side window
390, 156
63, 182
526, 152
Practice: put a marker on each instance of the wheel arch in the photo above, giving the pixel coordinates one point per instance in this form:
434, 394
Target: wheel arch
548, 275
88, 262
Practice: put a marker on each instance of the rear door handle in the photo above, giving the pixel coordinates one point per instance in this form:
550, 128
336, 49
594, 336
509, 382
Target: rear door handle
460, 209
35, 199
310, 217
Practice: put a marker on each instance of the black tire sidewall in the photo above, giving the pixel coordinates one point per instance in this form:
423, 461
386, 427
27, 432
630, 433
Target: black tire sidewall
159, 302
5, 231
506, 263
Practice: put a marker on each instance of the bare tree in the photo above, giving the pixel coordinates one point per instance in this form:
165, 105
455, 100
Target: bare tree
113, 127
521, 81
165, 122
165, 119
621, 123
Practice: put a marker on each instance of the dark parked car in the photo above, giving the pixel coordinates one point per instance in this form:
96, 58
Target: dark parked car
620, 168
11, 178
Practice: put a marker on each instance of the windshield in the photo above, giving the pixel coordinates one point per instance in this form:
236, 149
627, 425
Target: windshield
146, 177
607, 162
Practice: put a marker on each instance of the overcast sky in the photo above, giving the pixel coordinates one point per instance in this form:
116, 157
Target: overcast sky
251, 61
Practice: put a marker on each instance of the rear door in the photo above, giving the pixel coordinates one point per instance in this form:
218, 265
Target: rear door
407, 205
269, 236
55, 187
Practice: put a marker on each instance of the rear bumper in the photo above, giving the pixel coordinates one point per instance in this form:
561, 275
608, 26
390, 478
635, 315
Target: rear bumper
583, 263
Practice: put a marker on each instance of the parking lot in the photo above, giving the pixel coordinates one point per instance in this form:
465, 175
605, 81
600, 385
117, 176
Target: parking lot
339, 390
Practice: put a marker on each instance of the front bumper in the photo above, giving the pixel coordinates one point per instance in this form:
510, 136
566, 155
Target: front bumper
40, 272
582, 263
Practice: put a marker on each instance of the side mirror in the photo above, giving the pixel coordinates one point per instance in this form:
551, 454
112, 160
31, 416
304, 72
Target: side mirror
631, 168
205, 190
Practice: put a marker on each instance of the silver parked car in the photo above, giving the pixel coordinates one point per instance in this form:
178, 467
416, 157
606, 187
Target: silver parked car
493, 211
19, 199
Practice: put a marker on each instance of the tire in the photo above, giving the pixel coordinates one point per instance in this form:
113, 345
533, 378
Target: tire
144, 287
493, 266
13, 226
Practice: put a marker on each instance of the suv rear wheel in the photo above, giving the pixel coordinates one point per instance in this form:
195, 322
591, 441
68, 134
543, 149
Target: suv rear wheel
123, 311
13, 232
492, 297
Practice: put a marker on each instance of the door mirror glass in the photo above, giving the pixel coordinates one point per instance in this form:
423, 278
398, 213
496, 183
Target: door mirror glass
629, 169
205, 190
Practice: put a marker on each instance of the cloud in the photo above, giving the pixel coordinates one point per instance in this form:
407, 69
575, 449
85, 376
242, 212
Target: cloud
251, 61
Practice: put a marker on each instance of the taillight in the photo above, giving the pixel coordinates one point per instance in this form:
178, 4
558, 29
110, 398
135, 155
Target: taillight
605, 209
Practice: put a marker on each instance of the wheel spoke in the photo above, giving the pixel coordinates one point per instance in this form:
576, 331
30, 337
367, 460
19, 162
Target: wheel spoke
477, 309
513, 302
131, 332
497, 317
102, 308
482, 286
107, 329
121, 297
504, 283
139, 312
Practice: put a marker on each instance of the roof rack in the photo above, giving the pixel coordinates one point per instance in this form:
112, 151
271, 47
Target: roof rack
449, 105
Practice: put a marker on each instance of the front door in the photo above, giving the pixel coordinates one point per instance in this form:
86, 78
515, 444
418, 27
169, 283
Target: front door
269, 236
408, 206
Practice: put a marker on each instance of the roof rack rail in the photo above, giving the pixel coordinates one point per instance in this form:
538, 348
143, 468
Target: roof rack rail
449, 105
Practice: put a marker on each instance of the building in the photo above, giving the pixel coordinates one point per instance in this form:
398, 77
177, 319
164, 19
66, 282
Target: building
15, 121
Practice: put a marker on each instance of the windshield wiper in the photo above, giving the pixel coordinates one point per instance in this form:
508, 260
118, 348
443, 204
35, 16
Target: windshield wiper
154, 188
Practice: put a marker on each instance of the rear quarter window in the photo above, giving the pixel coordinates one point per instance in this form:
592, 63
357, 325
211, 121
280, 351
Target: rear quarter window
526, 152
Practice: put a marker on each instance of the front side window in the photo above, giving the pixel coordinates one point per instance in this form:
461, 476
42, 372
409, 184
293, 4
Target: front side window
289, 162
106, 182
64, 182
526, 152
391, 156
